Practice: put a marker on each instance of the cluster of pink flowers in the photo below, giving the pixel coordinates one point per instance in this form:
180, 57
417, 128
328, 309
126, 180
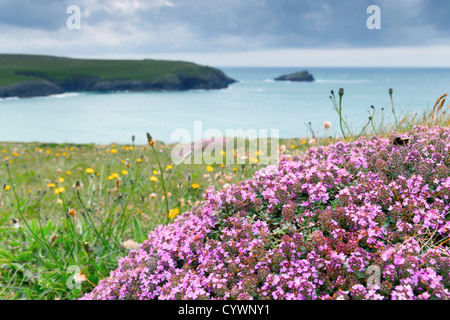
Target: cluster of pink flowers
310, 227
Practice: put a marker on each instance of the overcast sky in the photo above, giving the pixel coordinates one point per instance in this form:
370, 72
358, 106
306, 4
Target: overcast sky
234, 32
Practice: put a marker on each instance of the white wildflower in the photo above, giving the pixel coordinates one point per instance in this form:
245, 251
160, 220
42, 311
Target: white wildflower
79, 278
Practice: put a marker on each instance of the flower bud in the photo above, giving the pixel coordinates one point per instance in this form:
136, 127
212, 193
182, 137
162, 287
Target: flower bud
78, 184
150, 140
71, 212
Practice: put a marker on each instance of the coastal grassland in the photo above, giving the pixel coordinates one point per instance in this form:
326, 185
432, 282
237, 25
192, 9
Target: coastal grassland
67, 209
19, 68
68, 212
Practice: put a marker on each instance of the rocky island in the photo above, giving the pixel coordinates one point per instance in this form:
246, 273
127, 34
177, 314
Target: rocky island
32, 75
296, 76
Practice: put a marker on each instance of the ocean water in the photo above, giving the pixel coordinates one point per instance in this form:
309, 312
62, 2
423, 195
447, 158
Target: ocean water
254, 102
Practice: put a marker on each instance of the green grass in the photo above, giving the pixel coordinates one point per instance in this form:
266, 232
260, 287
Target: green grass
16, 68
39, 258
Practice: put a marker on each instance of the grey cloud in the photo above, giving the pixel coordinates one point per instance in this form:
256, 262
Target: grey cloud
240, 25
41, 14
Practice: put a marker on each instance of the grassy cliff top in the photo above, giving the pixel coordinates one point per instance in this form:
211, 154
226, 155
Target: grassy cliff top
15, 68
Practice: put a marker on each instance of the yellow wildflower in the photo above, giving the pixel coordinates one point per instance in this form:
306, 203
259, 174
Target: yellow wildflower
59, 190
89, 170
209, 168
173, 213
195, 186
153, 179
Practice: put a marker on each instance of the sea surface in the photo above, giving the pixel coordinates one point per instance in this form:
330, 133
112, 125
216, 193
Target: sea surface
255, 102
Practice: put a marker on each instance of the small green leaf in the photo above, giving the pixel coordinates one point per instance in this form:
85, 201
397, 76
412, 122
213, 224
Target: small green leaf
138, 234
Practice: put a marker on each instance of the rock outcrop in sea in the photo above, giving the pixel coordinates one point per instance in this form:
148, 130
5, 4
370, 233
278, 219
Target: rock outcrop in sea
296, 76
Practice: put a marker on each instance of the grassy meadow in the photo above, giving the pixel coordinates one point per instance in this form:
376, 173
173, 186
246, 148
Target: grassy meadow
68, 210
65, 205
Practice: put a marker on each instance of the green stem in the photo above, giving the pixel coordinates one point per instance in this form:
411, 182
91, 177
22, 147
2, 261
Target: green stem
393, 110
124, 211
89, 217
340, 116
162, 183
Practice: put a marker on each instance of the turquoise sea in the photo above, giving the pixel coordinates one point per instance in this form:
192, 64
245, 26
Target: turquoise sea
254, 102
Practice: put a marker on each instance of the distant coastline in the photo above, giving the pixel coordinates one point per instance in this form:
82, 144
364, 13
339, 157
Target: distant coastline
31, 76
